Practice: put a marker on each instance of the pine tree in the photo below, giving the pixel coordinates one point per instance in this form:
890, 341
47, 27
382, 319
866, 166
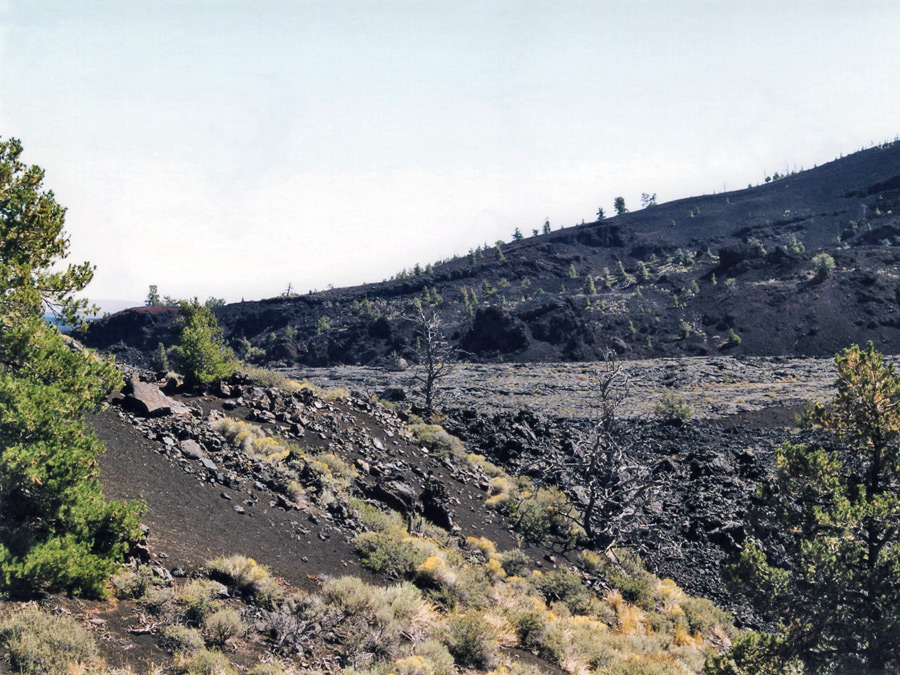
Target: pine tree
201, 354
833, 581
641, 273
153, 299
56, 529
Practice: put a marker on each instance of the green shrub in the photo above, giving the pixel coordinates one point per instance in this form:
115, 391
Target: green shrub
703, 616
566, 586
222, 625
630, 578
197, 596
160, 359
641, 273
39, 643
672, 408
539, 513
204, 662
436, 438
734, 340
134, 584
377, 519
490, 470
268, 378
249, 577
375, 622
385, 554
795, 246
159, 600
823, 264
181, 639
437, 656
751, 654
515, 561
530, 624
531, 519
472, 640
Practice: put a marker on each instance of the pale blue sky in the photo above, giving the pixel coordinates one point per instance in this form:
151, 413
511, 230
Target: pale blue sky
229, 148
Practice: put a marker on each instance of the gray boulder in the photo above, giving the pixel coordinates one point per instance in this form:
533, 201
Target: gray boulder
148, 401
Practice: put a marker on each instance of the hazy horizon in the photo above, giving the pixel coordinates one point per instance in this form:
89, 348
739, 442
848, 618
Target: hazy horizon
228, 149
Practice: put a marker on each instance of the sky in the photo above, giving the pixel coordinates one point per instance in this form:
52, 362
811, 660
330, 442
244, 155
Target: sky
231, 148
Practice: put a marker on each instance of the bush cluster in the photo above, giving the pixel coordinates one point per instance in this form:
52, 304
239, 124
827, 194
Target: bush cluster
672, 408
248, 577
38, 642
823, 265
537, 513
299, 473
437, 440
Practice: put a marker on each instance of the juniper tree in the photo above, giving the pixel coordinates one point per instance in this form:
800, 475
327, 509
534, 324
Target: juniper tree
831, 576
56, 529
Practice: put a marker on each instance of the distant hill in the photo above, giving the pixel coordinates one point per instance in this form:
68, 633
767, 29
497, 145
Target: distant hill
113, 306
105, 307
802, 265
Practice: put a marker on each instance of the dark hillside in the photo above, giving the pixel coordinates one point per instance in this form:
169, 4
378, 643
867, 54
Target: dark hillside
734, 273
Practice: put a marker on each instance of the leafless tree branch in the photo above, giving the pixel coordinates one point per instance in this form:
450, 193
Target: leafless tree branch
605, 485
434, 354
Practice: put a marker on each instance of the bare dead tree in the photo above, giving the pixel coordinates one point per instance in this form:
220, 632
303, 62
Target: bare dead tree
434, 354
604, 485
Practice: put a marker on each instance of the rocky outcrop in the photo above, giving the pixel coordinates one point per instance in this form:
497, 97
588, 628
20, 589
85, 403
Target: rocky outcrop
148, 401
495, 332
